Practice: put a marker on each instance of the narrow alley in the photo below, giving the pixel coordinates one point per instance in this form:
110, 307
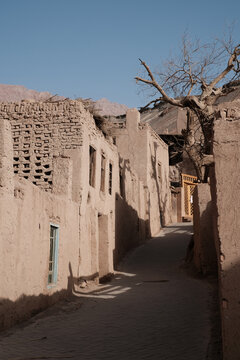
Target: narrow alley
152, 309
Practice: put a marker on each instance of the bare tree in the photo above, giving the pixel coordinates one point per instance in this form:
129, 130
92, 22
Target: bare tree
194, 80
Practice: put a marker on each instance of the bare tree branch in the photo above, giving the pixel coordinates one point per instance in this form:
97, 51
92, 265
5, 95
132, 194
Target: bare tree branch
230, 66
193, 80
154, 83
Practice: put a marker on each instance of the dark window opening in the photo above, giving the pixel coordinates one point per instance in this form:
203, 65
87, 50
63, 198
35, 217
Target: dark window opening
92, 166
103, 167
159, 172
122, 186
110, 179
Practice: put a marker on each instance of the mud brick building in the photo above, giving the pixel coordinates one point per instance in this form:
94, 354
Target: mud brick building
72, 200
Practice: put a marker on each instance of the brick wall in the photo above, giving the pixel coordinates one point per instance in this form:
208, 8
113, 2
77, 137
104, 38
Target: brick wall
41, 131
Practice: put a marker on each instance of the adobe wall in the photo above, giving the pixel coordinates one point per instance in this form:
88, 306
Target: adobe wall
158, 181
26, 213
41, 131
25, 227
226, 192
176, 209
96, 204
144, 150
205, 257
44, 136
132, 142
96, 226
6, 156
131, 224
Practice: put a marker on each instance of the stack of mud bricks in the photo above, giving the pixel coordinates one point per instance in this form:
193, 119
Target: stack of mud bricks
40, 132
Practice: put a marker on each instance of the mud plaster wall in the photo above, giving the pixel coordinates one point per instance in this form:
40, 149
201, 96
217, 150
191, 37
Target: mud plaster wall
96, 202
205, 257
227, 195
88, 226
51, 149
26, 212
158, 181
45, 136
25, 218
176, 215
144, 150
131, 224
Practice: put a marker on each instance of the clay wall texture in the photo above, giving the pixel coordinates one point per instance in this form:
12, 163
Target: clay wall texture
226, 193
147, 155
158, 181
45, 156
42, 131
205, 257
25, 218
176, 208
131, 215
95, 203
26, 212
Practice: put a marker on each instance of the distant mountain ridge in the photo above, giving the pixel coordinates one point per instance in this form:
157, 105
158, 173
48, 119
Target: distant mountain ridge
106, 107
13, 93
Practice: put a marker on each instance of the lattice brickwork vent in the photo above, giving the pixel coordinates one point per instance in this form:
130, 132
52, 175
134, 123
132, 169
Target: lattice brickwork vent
41, 131
32, 156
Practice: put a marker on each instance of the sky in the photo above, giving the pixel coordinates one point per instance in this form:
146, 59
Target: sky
90, 48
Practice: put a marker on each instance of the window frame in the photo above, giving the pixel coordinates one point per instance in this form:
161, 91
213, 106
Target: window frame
54, 271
